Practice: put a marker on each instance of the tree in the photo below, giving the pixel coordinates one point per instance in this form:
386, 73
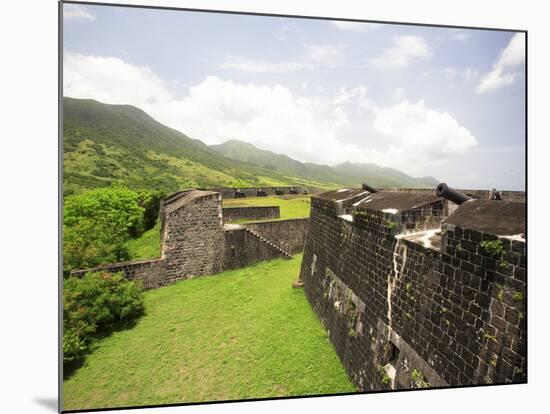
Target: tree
97, 224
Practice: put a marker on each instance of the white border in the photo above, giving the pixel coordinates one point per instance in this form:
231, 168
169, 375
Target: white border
28, 76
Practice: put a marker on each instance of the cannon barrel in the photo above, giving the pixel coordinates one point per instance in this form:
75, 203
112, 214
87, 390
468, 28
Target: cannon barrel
443, 190
370, 189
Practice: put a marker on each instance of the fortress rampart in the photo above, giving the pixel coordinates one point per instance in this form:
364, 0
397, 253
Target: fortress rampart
195, 241
415, 291
231, 214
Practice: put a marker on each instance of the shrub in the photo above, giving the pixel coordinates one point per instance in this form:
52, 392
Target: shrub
97, 224
74, 347
150, 202
95, 305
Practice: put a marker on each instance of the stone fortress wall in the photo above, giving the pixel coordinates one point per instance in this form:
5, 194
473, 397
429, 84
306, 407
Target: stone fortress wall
196, 241
231, 214
413, 290
253, 191
417, 292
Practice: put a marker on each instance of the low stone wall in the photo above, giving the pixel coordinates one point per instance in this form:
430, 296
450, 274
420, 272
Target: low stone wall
242, 248
253, 191
289, 235
231, 214
195, 241
479, 194
151, 273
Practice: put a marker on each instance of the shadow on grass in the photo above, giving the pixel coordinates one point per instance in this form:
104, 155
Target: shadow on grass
70, 368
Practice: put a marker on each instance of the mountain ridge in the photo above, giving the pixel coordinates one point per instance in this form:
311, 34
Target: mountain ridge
345, 173
105, 144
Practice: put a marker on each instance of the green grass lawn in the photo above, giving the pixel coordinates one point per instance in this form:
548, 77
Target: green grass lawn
295, 207
244, 333
146, 246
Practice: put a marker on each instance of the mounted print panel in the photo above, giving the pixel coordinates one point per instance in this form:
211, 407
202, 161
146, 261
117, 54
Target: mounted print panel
262, 206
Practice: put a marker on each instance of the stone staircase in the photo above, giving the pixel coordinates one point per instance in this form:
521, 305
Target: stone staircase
283, 253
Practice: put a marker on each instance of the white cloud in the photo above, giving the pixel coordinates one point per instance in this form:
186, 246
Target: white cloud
470, 74
288, 31
503, 73
357, 97
420, 137
111, 80
449, 72
460, 35
398, 94
412, 137
314, 55
77, 12
326, 54
404, 49
247, 65
355, 26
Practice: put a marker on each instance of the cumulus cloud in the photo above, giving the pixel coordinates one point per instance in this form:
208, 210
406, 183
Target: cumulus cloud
314, 55
77, 12
112, 80
357, 97
404, 49
248, 65
355, 26
504, 71
421, 137
412, 136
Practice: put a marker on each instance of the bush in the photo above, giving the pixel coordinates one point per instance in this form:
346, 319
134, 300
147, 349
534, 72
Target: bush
97, 224
95, 305
150, 202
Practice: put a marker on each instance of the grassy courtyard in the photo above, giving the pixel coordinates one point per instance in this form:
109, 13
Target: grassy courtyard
147, 246
291, 207
240, 334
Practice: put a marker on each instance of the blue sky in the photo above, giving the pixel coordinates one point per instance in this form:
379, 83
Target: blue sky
428, 101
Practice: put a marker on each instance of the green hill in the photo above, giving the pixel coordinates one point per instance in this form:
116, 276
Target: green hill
347, 174
385, 176
121, 143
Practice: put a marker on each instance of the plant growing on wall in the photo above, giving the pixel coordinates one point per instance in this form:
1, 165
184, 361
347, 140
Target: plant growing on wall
493, 247
384, 377
418, 379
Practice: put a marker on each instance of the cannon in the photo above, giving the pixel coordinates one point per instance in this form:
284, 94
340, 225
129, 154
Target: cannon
443, 190
370, 189
239, 194
306, 192
495, 194
278, 191
293, 190
261, 193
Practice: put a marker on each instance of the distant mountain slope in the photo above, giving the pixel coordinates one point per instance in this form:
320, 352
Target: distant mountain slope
351, 174
280, 163
120, 143
388, 177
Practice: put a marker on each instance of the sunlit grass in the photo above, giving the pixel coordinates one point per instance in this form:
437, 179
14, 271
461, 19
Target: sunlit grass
295, 207
147, 246
240, 334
